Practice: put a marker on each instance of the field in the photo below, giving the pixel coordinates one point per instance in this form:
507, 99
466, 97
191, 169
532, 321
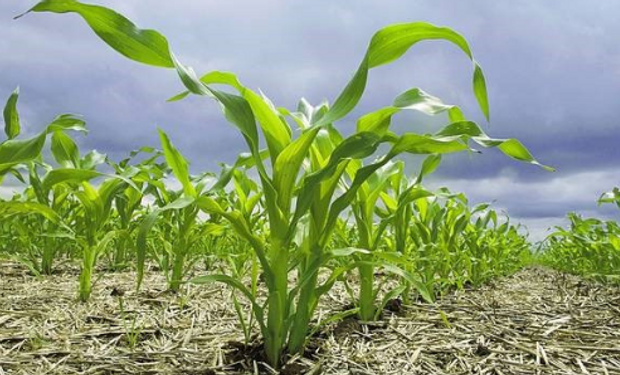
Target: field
317, 251
536, 321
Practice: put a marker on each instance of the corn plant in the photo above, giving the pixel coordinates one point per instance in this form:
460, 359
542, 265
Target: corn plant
180, 209
26, 154
311, 174
493, 249
93, 205
588, 247
128, 204
371, 233
42, 238
446, 244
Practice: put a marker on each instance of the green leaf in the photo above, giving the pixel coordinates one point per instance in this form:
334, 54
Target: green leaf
287, 167
68, 175
14, 151
65, 150
510, 147
389, 44
348, 251
357, 146
92, 160
178, 164
277, 133
103, 243
377, 122
515, 149
480, 90
421, 288
11, 116
429, 165
392, 294
145, 46
414, 99
67, 122
421, 101
424, 144
413, 193
612, 196
29, 208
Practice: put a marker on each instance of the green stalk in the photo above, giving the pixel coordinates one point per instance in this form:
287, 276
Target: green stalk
401, 231
278, 309
367, 294
303, 315
177, 267
366, 271
120, 255
179, 249
47, 258
86, 274
307, 295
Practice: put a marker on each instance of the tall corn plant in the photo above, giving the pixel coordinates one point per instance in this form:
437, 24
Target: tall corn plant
292, 189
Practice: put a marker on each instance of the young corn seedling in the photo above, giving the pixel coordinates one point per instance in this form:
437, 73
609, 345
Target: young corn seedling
94, 204
183, 228
300, 176
128, 204
370, 235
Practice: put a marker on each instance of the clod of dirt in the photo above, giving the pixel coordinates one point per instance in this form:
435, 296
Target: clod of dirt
294, 369
117, 292
241, 354
395, 305
347, 327
482, 350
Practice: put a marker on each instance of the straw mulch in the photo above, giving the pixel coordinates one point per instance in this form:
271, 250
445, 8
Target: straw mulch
535, 322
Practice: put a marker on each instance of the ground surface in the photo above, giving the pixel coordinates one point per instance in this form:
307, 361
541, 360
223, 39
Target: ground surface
535, 322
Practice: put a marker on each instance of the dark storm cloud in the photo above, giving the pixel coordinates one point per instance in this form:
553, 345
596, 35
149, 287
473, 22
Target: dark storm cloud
553, 74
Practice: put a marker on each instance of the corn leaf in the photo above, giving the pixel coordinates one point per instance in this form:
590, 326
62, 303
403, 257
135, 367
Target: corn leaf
15, 151
145, 46
11, 116
177, 163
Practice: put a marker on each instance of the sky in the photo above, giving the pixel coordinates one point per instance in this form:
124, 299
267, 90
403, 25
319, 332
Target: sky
552, 71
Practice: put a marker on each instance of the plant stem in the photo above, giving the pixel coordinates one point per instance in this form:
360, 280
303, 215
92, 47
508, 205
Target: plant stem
366, 296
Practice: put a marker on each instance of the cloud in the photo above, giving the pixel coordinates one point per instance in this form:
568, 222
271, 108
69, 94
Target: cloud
553, 79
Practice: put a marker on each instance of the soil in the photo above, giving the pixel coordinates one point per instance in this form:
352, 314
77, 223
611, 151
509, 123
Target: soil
537, 321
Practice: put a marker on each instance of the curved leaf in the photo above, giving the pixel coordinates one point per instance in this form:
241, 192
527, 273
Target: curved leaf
14, 151
11, 116
145, 46
387, 45
177, 163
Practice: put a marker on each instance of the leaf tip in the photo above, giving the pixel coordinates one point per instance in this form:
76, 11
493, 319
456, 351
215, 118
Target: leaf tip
22, 14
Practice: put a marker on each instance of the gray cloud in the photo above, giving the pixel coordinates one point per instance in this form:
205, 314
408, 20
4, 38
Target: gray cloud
553, 75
